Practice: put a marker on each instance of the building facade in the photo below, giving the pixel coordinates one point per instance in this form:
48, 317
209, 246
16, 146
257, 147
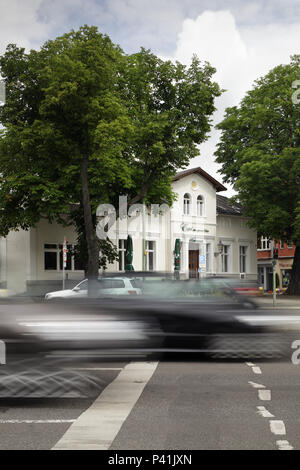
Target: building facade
286, 251
214, 240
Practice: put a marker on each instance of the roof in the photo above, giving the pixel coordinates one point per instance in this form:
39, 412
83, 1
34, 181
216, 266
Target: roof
199, 171
225, 207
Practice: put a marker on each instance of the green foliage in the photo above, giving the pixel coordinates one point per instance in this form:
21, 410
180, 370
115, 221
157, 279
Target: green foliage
170, 105
260, 153
134, 119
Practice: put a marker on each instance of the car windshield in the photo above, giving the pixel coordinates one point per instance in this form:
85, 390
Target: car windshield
82, 286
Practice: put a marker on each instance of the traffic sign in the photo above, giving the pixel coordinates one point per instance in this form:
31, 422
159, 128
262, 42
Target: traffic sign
202, 260
65, 250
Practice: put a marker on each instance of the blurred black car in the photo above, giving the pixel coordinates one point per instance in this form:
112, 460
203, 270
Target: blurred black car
170, 319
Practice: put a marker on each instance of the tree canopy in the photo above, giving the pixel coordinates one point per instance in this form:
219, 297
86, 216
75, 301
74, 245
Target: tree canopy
85, 123
259, 152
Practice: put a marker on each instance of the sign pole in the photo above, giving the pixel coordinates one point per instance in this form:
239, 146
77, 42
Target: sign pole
274, 282
64, 261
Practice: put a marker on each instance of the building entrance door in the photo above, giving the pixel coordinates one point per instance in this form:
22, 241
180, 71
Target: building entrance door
193, 264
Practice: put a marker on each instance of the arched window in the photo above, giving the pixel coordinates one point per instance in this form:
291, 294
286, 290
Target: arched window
200, 206
186, 204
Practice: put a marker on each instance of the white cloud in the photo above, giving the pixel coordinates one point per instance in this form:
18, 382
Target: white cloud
240, 55
19, 24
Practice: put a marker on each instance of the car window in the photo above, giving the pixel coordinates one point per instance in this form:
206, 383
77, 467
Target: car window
111, 284
117, 284
83, 285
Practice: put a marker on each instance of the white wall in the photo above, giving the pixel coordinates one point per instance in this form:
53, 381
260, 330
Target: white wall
233, 230
24, 251
53, 233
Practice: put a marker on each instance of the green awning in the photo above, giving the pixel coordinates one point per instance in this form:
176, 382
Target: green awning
177, 255
129, 254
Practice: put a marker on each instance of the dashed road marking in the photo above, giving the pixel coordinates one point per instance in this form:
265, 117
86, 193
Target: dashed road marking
284, 445
255, 369
277, 427
255, 385
264, 395
264, 412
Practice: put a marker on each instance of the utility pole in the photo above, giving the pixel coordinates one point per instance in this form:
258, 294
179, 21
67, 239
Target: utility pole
144, 239
274, 262
64, 261
274, 282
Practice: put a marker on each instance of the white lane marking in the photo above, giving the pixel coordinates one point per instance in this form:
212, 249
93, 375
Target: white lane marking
277, 427
273, 319
250, 364
98, 426
264, 395
36, 421
96, 368
284, 445
256, 370
255, 385
264, 412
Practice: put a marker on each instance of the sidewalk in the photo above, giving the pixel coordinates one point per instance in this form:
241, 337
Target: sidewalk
282, 301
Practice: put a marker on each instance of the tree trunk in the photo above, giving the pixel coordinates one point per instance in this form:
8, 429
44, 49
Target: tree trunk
90, 233
294, 285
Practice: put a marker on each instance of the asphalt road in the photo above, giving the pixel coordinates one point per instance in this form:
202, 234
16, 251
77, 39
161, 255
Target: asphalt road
179, 405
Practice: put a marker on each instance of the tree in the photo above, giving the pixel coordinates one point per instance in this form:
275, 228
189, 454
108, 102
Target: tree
85, 123
170, 106
65, 128
259, 152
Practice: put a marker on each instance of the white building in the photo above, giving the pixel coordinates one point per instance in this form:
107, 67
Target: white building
214, 236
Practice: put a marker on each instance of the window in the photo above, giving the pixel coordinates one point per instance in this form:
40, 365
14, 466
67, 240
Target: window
225, 258
264, 243
289, 244
208, 258
186, 204
261, 275
53, 258
50, 260
122, 250
243, 259
78, 263
224, 222
111, 284
117, 284
150, 249
83, 285
200, 206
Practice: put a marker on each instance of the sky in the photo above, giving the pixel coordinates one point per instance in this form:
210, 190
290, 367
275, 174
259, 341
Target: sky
242, 39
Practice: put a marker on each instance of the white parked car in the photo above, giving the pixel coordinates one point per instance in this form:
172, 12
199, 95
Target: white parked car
107, 286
